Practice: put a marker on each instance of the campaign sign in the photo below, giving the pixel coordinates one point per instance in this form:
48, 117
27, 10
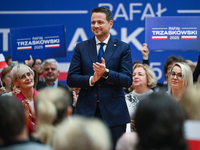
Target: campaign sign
40, 42
173, 33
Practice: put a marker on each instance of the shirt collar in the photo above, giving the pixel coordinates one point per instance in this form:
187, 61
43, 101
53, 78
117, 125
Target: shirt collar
55, 84
105, 41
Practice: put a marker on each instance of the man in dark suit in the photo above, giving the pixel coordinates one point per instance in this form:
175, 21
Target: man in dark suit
50, 72
102, 80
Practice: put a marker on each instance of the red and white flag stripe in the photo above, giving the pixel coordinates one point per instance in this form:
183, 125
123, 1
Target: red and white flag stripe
52, 46
188, 37
192, 134
24, 48
159, 37
3, 63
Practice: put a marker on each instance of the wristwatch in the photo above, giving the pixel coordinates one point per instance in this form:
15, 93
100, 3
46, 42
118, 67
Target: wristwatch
105, 74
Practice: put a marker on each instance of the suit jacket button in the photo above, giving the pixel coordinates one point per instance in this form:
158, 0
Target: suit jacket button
99, 84
95, 95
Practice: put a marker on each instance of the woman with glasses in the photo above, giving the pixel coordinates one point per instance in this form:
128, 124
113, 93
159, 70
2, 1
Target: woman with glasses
180, 77
23, 78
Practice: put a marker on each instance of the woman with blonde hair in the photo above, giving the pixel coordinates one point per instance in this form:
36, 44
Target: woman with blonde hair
144, 79
52, 106
180, 77
22, 77
82, 134
190, 102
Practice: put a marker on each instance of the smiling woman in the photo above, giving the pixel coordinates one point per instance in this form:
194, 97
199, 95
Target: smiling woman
22, 77
180, 77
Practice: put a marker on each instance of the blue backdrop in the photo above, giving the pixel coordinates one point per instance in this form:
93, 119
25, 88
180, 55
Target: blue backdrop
129, 23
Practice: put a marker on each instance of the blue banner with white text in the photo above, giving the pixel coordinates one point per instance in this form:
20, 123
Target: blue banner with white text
129, 24
173, 33
40, 42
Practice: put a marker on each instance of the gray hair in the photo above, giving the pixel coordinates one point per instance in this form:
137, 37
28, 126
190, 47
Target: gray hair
50, 61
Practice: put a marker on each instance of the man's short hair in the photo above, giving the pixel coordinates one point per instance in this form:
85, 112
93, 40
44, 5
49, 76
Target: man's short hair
50, 61
12, 118
104, 10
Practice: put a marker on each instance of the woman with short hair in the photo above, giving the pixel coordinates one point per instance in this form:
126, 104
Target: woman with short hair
23, 77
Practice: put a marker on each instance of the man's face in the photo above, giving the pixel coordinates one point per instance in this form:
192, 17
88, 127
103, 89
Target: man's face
50, 72
100, 26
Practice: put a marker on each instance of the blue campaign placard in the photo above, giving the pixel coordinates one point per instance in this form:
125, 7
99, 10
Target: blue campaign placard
173, 33
40, 42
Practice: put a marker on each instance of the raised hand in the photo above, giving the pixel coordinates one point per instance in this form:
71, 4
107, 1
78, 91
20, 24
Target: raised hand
3, 90
145, 52
29, 62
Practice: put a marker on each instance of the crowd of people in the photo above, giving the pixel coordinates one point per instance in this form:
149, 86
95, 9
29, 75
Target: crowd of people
110, 102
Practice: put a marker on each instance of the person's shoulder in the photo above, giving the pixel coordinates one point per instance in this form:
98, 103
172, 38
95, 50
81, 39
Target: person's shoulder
28, 145
86, 41
38, 146
40, 85
64, 86
118, 41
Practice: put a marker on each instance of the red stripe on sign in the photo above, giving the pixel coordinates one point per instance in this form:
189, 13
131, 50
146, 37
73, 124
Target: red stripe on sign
24, 49
193, 144
188, 38
3, 64
52, 47
159, 38
62, 76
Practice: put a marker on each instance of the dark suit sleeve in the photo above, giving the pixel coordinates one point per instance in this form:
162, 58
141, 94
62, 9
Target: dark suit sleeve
122, 77
196, 72
75, 76
146, 61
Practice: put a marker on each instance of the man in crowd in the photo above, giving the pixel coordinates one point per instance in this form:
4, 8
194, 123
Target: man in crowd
50, 72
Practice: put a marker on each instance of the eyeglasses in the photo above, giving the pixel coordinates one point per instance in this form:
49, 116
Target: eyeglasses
178, 75
28, 74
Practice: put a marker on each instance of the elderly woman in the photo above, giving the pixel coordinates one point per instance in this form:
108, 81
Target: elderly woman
22, 77
180, 77
144, 79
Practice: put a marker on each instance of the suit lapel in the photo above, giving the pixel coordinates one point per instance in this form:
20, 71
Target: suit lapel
111, 47
92, 50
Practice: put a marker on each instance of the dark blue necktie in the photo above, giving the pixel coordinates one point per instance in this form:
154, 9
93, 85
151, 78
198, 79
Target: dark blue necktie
101, 52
